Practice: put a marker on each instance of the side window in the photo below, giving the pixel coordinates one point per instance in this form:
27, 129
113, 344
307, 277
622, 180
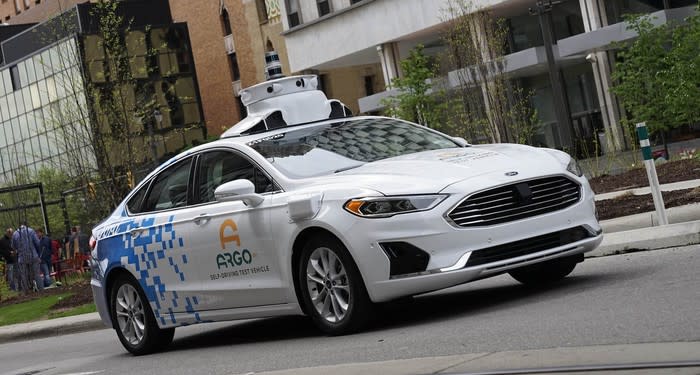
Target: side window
134, 204
218, 167
169, 190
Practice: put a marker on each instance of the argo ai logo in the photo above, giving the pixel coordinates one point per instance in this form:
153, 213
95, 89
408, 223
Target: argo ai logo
228, 233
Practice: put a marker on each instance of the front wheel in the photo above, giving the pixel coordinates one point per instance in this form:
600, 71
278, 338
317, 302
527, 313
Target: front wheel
546, 272
133, 319
332, 289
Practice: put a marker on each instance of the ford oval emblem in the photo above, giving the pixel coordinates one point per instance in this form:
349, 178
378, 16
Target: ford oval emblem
511, 174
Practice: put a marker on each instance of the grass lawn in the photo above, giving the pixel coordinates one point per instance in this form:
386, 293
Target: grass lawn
84, 309
28, 311
39, 309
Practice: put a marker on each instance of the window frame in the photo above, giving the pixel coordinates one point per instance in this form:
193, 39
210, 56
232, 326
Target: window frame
148, 185
195, 199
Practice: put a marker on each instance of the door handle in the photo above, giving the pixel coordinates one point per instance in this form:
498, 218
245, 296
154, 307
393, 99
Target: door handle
136, 231
201, 219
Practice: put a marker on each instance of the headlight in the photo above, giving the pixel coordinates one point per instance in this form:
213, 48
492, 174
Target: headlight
574, 168
376, 207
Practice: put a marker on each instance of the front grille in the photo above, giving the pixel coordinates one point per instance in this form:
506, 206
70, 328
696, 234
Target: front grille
527, 246
516, 201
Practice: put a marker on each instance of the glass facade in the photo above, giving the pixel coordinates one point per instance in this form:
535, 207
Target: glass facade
43, 101
525, 29
45, 120
583, 104
616, 10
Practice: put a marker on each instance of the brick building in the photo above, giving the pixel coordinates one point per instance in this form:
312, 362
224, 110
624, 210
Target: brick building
228, 40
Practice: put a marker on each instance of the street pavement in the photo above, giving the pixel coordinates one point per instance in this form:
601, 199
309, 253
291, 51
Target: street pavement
624, 234
624, 309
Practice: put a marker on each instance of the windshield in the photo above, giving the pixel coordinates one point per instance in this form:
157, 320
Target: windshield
343, 145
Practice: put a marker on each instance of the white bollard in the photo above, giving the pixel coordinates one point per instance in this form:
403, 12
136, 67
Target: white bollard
643, 135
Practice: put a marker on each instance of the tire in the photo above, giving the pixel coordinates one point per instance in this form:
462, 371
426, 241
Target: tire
546, 272
129, 307
326, 265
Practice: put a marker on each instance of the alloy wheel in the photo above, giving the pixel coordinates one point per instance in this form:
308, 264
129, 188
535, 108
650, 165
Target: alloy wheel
131, 315
328, 286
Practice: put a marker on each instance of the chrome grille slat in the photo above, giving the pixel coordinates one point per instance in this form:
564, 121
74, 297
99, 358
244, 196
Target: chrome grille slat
493, 206
493, 195
521, 212
458, 213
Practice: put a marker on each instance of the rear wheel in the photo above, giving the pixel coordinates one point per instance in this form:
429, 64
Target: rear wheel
133, 319
332, 289
546, 272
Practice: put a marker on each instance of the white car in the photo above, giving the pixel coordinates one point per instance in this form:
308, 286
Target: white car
302, 209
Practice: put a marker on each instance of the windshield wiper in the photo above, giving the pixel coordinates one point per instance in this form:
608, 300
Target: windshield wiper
348, 168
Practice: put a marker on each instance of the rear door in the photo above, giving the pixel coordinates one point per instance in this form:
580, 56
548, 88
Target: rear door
157, 249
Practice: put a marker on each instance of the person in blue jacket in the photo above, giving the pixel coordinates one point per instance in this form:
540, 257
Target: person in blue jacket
45, 256
26, 243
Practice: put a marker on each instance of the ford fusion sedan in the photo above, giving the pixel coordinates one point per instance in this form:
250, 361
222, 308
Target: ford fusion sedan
303, 209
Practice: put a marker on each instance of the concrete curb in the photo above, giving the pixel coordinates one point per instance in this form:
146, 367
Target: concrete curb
680, 214
50, 328
689, 184
652, 238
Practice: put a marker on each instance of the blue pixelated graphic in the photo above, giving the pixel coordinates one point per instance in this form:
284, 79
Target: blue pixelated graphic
144, 254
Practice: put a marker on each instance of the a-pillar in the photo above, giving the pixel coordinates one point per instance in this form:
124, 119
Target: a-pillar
594, 17
389, 58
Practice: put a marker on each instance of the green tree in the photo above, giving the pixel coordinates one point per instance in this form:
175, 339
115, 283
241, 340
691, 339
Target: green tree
486, 104
100, 126
657, 76
641, 76
416, 100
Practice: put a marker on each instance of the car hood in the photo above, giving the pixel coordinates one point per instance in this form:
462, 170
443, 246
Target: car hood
433, 171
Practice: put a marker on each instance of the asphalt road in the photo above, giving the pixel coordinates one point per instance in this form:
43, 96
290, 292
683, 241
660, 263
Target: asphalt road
646, 297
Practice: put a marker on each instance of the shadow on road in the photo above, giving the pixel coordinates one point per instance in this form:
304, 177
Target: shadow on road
454, 303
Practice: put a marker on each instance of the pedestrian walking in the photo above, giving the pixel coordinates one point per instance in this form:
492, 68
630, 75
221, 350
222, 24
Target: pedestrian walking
26, 243
45, 252
7, 253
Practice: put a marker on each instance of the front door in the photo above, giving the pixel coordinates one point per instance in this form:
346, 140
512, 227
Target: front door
231, 244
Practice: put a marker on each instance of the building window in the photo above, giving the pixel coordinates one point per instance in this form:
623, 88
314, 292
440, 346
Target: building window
293, 15
323, 84
226, 22
262, 10
14, 77
354, 1
324, 7
369, 85
681, 3
242, 110
235, 71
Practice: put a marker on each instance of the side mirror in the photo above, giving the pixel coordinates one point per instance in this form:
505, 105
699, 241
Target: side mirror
461, 141
238, 190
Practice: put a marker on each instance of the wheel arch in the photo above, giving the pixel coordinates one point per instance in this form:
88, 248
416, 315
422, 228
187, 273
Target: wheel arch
111, 277
301, 239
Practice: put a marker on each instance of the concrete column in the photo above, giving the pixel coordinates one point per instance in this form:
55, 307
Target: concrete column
389, 59
594, 17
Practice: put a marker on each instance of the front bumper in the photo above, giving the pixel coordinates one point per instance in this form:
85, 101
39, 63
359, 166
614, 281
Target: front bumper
450, 247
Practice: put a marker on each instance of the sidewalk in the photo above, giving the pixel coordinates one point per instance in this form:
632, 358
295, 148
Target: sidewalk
570, 360
623, 234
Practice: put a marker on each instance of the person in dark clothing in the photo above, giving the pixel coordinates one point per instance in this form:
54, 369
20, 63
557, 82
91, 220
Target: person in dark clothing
45, 251
9, 256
